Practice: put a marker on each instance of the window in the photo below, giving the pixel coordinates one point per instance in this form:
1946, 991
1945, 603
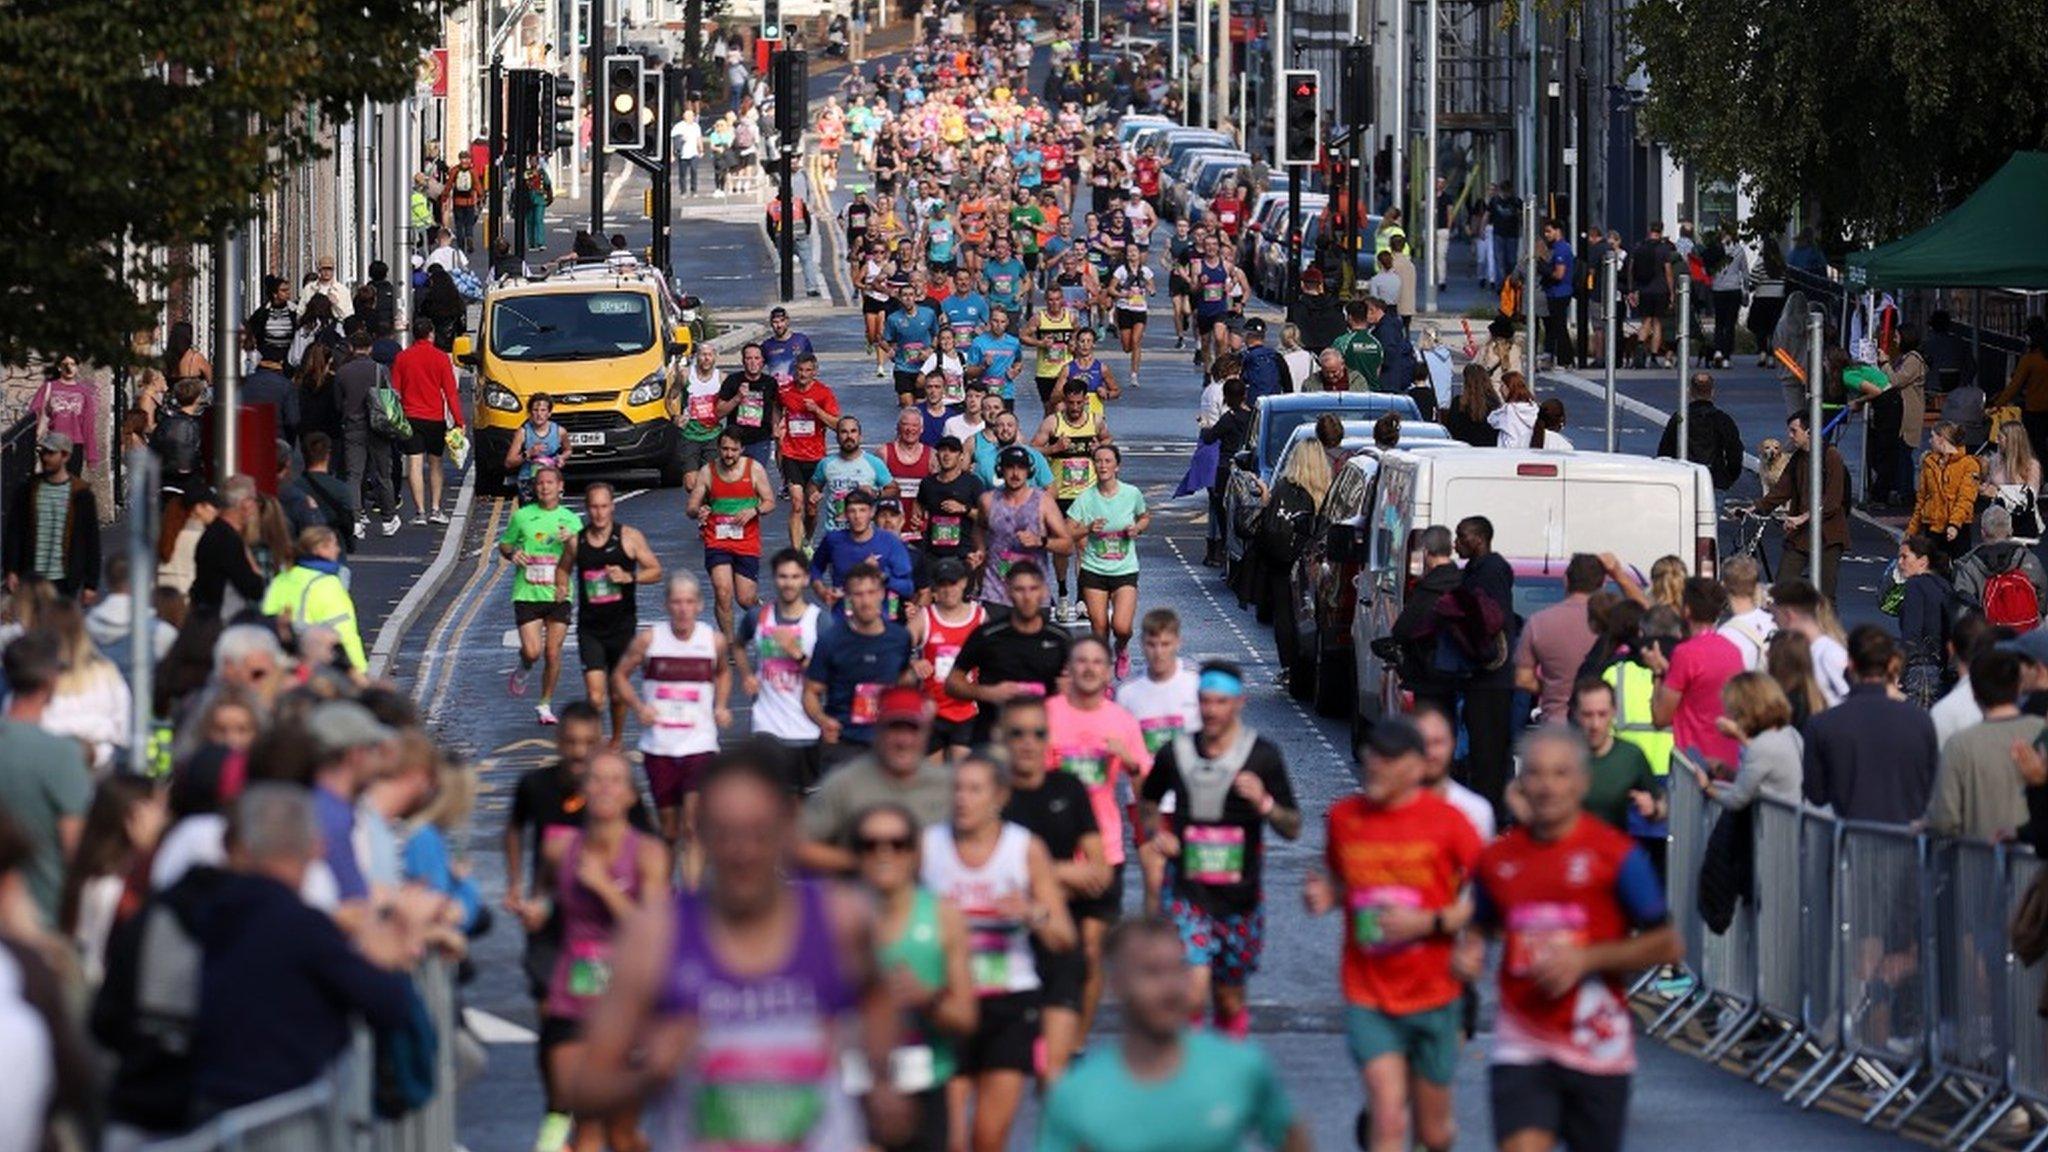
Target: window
572, 326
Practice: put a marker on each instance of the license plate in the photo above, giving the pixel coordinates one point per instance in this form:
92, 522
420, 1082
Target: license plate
586, 439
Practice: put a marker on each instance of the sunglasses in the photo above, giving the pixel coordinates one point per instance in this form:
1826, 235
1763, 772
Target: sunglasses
869, 845
1020, 733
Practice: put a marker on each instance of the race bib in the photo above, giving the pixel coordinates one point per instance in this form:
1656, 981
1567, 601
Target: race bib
1076, 471
943, 660
912, 1069
801, 426
945, 531
956, 388
750, 411
1003, 285
1535, 930
764, 1105
678, 706
724, 527
867, 704
540, 573
1006, 561
590, 969
1112, 546
1159, 731
1364, 905
1213, 854
598, 587
1212, 293
1089, 768
989, 960
703, 408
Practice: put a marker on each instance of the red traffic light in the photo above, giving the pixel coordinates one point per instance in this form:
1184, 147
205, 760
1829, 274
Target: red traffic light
1304, 90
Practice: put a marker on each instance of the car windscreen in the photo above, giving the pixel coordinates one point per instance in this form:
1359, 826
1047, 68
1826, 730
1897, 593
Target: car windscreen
571, 326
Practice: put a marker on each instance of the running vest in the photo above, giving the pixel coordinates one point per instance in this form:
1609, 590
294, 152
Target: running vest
781, 649
584, 968
602, 605
765, 1076
1633, 688
677, 675
726, 500
1212, 288
1057, 334
1074, 469
942, 644
1073, 288
999, 947
924, 1057
1129, 288
1005, 520
1207, 779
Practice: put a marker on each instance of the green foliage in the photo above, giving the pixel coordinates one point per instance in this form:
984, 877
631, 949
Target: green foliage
1871, 116
156, 124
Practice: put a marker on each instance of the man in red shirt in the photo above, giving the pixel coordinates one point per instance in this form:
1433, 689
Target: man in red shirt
1578, 909
1398, 857
805, 408
424, 378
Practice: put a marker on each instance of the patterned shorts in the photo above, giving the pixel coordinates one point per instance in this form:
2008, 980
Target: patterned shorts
1228, 945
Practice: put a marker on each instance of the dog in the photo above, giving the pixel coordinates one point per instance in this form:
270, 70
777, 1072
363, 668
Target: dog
1771, 462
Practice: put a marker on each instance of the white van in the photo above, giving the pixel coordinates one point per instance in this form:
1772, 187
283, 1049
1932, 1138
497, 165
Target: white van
1544, 506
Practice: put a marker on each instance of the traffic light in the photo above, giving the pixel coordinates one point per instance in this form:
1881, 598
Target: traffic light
652, 111
625, 94
1357, 85
525, 102
560, 109
1301, 110
1091, 20
771, 19
791, 79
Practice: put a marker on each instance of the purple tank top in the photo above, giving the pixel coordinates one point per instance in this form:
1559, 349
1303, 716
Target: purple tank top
1004, 522
583, 970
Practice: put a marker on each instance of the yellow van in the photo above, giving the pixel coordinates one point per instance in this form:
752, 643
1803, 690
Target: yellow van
606, 344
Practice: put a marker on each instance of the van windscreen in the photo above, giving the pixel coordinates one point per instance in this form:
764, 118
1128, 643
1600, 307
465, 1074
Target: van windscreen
571, 326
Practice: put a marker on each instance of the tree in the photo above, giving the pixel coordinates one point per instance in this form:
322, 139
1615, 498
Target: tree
131, 126
1871, 117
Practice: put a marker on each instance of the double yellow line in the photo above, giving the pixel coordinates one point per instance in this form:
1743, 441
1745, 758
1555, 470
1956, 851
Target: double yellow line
461, 613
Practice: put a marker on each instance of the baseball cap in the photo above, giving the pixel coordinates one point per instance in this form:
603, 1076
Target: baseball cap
1255, 327
778, 310
1394, 735
861, 496
2028, 646
1312, 277
901, 706
950, 443
54, 442
1015, 454
339, 725
950, 570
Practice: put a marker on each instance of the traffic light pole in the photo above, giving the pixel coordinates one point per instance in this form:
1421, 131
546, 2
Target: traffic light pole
597, 152
493, 174
1294, 239
785, 239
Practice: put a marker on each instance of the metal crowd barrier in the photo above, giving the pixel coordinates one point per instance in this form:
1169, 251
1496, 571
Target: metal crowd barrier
1865, 954
335, 1113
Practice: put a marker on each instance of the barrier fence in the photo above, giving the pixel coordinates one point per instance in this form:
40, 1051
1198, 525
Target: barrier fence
1868, 961
336, 1113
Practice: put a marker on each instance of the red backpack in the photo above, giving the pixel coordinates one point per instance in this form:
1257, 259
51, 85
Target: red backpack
2009, 601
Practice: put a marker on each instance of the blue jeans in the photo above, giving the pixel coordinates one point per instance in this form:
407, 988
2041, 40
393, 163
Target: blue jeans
1506, 249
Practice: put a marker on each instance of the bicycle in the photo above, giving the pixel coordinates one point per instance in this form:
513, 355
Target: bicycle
1750, 527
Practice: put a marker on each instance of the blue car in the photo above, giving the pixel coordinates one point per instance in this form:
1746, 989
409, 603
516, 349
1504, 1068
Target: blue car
1274, 424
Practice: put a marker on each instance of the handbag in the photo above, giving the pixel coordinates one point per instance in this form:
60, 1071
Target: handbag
1892, 597
387, 414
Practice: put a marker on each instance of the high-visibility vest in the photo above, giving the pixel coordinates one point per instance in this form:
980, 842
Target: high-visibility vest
1634, 687
317, 599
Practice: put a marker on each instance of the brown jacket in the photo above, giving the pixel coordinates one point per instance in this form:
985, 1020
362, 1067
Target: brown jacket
1948, 493
1789, 493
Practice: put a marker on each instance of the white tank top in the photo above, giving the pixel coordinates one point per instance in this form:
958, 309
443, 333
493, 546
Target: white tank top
781, 650
677, 684
999, 947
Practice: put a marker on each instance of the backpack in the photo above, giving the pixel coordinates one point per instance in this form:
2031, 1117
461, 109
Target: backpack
2009, 601
1471, 631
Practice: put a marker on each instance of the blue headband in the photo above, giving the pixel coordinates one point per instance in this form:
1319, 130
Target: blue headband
1221, 682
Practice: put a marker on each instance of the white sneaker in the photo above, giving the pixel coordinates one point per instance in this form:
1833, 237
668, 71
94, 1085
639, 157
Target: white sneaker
437, 516
544, 713
362, 529
392, 525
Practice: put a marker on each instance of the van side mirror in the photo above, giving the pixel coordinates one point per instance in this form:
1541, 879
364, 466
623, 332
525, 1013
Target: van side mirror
465, 349
680, 337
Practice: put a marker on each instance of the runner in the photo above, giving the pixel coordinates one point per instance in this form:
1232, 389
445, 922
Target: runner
1227, 783
922, 946
606, 562
995, 357
747, 405
966, 311
1164, 1087
974, 231
897, 772
937, 632
909, 460
605, 873
1180, 282
1209, 283
1164, 702
876, 299
1578, 908
1000, 877
1021, 654
774, 647
729, 1008
1084, 369
949, 364
1130, 290
1397, 859
696, 412
534, 538
1076, 280
688, 686
908, 336
732, 496
805, 408
1095, 740
842, 472
1004, 433
1069, 435
858, 657
951, 502
783, 346
1008, 280
1106, 521
854, 218
1050, 331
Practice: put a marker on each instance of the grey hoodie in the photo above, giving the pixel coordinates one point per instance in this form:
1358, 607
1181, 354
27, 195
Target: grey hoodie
110, 620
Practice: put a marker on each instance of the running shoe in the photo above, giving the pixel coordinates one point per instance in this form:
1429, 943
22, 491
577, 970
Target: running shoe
515, 684
362, 528
1180, 342
880, 372
419, 521
392, 524
1123, 663
437, 516
1134, 379
554, 1132
544, 713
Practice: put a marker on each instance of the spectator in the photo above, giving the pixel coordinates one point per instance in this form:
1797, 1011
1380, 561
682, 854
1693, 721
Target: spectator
177, 438
1488, 693
1790, 493
1623, 789
2012, 480
225, 578
1548, 434
1556, 640
69, 404
1502, 352
1265, 374
51, 1071
1515, 419
1414, 631
425, 380
121, 829
1797, 606
1788, 661
271, 325
1466, 416
1689, 700
1712, 438
316, 497
1320, 315
1898, 420
1947, 496
53, 529
1397, 363
1978, 790
2029, 386
1756, 715
2003, 570
311, 594
44, 785
248, 657
91, 703
280, 983
111, 621
1923, 617
267, 384
428, 857
1969, 637
352, 748
1749, 625
366, 455
1871, 757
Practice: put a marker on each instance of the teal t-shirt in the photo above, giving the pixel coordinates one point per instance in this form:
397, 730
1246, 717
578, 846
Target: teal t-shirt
1224, 1093
540, 533
1113, 552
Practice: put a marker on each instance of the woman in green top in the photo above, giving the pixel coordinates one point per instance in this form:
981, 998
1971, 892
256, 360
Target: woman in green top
924, 955
1111, 516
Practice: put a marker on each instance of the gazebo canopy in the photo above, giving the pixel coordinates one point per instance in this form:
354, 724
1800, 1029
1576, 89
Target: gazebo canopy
1998, 238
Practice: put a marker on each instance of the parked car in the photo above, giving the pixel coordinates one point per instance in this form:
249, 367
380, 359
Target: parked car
1269, 271
1174, 179
1545, 506
1206, 178
1272, 426
1266, 212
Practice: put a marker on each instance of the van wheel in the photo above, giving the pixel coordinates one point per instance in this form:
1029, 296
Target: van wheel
672, 472
1333, 688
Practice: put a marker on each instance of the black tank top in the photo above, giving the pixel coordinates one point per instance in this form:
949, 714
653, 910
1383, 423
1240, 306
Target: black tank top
601, 604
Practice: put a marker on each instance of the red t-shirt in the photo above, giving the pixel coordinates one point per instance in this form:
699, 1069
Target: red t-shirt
1229, 213
1415, 856
1148, 176
1055, 159
1591, 886
803, 436
424, 378
1699, 667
